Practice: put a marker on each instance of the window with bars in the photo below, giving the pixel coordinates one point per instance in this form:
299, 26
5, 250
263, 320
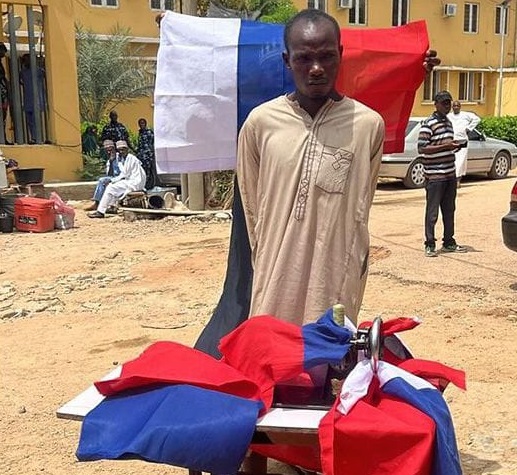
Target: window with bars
501, 20
435, 82
399, 12
470, 18
104, 3
317, 4
471, 86
162, 4
357, 14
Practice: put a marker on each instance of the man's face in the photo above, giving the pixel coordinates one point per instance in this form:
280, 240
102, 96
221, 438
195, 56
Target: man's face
456, 107
443, 107
113, 116
142, 124
123, 151
314, 56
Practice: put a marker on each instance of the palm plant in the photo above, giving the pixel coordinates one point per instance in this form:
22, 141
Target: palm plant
109, 72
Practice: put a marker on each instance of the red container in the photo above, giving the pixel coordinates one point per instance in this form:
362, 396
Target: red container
34, 214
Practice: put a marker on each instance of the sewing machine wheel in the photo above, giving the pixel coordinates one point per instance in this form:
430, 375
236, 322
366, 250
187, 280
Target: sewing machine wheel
374, 343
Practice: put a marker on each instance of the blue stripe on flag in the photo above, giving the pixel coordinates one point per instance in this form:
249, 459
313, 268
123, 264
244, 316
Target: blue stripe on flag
179, 425
431, 402
261, 74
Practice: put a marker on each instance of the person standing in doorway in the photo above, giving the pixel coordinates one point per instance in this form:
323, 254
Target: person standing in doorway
4, 91
436, 143
462, 123
29, 107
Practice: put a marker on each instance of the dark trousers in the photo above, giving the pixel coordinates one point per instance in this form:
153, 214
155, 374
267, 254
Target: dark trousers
440, 195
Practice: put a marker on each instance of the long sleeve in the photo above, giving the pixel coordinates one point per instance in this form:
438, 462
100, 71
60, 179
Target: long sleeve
474, 121
248, 163
375, 161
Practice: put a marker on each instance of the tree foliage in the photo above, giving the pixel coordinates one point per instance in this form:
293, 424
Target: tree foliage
278, 11
504, 128
269, 11
109, 72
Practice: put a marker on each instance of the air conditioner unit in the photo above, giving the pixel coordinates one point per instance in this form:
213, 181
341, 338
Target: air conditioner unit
449, 9
345, 3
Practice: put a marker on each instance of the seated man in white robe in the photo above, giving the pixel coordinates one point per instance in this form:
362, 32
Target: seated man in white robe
132, 178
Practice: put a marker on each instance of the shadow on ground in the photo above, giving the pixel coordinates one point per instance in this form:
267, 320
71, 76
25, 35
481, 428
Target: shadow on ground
477, 466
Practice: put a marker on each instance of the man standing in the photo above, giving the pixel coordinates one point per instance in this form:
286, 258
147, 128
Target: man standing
462, 123
436, 142
307, 166
285, 141
114, 130
145, 152
131, 178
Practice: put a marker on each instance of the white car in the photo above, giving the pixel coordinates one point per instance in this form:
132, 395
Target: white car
486, 155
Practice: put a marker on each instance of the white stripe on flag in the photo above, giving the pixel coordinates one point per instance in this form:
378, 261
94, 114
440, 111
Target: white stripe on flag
195, 117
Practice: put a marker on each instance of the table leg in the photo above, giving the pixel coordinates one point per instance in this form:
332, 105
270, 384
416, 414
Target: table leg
254, 464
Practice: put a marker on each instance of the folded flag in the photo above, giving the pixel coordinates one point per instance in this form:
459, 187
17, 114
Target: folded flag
179, 425
269, 351
212, 71
167, 362
392, 422
178, 406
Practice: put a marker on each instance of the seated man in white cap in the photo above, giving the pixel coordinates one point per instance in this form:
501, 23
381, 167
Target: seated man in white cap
112, 170
132, 178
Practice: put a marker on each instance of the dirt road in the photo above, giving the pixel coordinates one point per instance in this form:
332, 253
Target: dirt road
75, 303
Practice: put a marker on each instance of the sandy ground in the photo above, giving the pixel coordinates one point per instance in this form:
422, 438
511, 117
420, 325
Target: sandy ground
75, 303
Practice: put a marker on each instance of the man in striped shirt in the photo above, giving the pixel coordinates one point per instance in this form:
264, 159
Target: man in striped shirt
436, 143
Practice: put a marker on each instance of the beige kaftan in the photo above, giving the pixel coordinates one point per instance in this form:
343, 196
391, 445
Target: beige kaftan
307, 186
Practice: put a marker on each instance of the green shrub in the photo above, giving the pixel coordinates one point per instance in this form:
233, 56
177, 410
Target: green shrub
504, 128
93, 167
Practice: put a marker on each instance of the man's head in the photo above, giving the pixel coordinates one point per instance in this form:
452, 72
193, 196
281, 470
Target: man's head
109, 146
3, 50
113, 117
142, 123
313, 52
442, 102
456, 107
122, 147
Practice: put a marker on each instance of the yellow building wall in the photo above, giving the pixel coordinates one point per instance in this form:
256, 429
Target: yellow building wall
61, 160
63, 157
509, 97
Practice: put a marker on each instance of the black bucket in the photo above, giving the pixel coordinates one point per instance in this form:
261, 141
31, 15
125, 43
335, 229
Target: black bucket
6, 223
7, 203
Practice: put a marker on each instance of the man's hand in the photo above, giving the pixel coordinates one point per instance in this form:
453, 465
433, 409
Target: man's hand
457, 145
431, 60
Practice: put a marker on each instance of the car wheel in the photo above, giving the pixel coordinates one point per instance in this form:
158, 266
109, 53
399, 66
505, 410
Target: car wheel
415, 175
500, 166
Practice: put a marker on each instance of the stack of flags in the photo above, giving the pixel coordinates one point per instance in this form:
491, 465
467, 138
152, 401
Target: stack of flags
176, 405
